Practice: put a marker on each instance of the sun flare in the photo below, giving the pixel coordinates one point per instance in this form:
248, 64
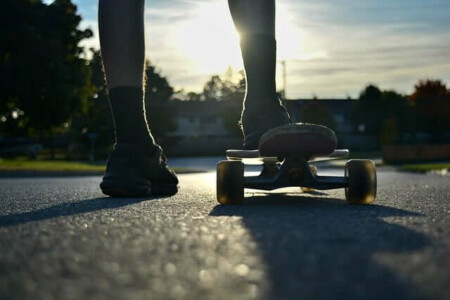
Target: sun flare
209, 40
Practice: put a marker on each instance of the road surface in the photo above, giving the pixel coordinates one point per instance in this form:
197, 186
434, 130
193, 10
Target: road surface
60, 238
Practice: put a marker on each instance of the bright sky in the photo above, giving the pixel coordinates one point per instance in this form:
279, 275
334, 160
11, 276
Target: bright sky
331, 48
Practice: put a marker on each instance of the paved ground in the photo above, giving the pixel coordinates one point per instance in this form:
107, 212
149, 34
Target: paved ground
61, 239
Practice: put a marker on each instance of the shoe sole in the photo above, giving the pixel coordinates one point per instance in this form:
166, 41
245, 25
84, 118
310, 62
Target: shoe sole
298, 138
121, 188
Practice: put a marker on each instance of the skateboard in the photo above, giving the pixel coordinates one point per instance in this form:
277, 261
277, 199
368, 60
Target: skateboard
286, 154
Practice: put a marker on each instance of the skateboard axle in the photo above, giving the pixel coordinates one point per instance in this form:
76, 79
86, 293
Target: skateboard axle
295, 175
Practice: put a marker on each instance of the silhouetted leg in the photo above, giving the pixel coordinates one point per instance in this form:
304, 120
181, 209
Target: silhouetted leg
253, 16
255, 22
121, 25
136, 168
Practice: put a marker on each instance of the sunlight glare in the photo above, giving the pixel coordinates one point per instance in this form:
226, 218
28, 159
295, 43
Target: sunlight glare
210, 40
294, 43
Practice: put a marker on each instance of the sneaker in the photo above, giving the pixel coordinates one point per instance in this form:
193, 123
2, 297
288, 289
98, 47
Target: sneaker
130, 172
254, 125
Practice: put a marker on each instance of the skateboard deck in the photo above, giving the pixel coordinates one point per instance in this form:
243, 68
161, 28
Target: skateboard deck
285, 153
254, 157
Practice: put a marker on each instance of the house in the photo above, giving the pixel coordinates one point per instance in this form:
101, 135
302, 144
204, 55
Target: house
201, 128
199, 119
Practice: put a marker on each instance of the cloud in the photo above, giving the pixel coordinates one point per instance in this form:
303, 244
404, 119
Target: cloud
392, 44
332, 48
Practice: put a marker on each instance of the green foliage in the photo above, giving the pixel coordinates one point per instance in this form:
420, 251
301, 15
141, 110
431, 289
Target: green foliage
388, 114
369, 110
389, 132
229, 88
158, 93
157, 88
97, 116
431, 100
42, 74
396, 117
214, 88
192, 96
383, 113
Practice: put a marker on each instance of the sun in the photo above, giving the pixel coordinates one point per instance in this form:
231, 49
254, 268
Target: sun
209, 41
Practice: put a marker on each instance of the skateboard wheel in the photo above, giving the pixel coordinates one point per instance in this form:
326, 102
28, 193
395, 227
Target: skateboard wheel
362, 181
308, 189
230, 182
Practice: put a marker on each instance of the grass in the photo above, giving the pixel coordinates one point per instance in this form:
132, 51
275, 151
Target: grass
426, 167
49, 166
25, 165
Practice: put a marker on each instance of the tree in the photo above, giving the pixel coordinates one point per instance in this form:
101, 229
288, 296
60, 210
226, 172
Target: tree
431, 101
368, 110
157, 88
42, 73
97, 116
395, 105
397, 117
192, 96
389, 133
158, 93
384, 114
230, 89
214, 88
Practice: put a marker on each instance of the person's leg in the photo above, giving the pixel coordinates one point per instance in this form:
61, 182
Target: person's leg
136, 166
255, 22
121, 27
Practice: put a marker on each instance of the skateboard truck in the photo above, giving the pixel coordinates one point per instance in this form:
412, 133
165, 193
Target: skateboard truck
294, 170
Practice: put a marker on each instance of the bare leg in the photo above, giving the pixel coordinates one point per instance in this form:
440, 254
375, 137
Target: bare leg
121, 24
121, 27
253, 16
136, 168
255, 22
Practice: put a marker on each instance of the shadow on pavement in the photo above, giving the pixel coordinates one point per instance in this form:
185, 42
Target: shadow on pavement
68, 209
323, 248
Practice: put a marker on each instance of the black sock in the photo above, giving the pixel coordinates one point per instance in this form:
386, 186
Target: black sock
259, 53
130, 122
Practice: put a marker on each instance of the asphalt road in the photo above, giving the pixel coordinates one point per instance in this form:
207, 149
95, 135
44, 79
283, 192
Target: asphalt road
61, 239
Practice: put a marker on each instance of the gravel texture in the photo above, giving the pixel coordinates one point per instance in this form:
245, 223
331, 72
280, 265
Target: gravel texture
60, 238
